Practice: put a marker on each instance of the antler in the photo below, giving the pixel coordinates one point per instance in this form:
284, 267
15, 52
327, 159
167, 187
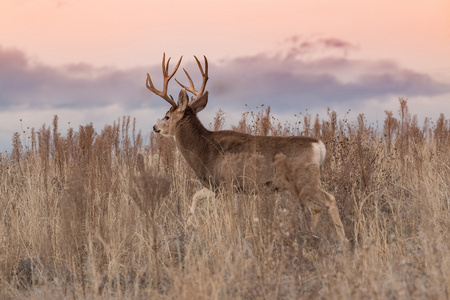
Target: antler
205, 79
165, 69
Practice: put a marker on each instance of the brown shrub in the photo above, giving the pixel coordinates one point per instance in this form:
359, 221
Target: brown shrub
97, 209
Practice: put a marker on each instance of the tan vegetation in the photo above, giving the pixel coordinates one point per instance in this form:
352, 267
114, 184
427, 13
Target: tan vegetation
99, 215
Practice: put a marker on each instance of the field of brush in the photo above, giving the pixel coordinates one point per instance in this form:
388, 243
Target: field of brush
102, 215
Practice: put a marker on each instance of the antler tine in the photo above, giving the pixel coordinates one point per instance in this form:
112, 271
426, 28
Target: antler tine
191, 88
164, 68
204, 74
174, 70
205, 79
163, 93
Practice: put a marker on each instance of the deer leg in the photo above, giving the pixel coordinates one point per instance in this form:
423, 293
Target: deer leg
307, 196
199, 195
330, 203
315, 210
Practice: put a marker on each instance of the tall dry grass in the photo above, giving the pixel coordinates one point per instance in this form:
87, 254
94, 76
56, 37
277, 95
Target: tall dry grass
97, 215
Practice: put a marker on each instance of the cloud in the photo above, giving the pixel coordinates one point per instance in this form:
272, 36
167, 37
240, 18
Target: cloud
286, 76
291, 78
33, 85
300, 46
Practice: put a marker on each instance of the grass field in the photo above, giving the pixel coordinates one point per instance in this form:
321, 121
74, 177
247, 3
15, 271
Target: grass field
102, 215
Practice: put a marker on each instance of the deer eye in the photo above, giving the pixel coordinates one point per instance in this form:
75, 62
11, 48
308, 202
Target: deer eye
166, 118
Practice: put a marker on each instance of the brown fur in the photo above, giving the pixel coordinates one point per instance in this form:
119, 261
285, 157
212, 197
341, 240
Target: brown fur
205, 150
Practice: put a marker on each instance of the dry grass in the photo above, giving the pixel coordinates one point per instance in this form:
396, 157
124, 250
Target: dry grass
96, 215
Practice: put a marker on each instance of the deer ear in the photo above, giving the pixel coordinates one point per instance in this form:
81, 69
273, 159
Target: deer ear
200, 103
183, 100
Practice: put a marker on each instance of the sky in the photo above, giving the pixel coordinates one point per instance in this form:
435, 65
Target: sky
87, 61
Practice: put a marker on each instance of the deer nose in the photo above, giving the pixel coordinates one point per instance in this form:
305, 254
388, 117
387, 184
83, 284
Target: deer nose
156, 129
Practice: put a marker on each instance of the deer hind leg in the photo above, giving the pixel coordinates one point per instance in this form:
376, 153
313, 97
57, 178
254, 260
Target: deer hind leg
315, 211
204, 193
330, 203
308, 198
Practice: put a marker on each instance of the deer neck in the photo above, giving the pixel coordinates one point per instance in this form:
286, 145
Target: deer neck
193, 142
189, 132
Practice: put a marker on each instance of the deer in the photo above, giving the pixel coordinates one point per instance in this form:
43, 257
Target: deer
208, 152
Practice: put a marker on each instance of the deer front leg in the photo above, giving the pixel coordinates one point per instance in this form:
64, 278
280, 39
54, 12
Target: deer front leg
204, 193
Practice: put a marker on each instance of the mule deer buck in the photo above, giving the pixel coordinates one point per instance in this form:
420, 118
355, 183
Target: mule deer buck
208, 152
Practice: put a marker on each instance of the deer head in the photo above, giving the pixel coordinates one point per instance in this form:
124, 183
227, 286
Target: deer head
179, 110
